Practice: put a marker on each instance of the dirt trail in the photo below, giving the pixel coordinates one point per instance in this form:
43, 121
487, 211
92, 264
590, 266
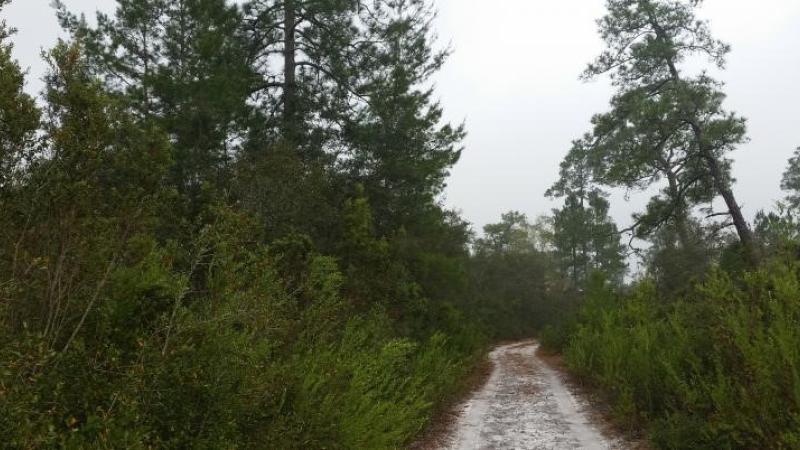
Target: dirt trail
525, 405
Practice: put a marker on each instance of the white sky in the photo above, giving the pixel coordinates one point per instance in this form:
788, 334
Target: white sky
514, 79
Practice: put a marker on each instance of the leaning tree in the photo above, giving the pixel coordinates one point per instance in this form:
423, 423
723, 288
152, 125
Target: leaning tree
665, 123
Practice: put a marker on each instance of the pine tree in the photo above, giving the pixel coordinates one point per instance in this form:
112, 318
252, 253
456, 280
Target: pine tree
511, 235
791, 181
307, 53
125, 50
183, 64
584, 237
665, 123
401, 150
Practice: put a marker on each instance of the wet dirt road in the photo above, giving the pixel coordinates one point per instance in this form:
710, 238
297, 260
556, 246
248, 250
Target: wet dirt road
525, 405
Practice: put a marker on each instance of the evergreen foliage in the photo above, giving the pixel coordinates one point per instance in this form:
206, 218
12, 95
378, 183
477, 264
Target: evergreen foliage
584, 237
664, 123
512, 281
717, 369
700, 351
222, 228
198, 257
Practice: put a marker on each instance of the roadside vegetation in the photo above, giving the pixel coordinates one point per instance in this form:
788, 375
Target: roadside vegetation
700, 350
222, 228
203, 248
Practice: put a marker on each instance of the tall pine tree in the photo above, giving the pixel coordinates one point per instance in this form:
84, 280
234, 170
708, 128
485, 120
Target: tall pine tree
666, 123
584, 237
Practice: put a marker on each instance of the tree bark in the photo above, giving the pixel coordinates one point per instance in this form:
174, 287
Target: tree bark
742, 228
679, 214
290, 108
720, 182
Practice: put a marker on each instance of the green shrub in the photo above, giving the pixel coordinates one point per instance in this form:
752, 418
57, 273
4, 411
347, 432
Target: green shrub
259, 360
719, 369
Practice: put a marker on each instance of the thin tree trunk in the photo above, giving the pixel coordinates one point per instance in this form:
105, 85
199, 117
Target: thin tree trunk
720, 182
91, 303
680, 215
742, 228
290, 73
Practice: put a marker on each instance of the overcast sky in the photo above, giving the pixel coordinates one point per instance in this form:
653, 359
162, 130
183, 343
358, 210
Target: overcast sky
514, 79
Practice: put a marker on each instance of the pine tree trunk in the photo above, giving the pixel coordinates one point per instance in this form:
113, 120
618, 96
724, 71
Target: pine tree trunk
680, 215
720, 183
742, 228
290, 73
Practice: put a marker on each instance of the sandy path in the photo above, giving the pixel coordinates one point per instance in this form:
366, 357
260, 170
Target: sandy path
525, 405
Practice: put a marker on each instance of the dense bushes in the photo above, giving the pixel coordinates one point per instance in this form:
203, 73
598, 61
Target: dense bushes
717, 369
124, 326
252, 363
195, 255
